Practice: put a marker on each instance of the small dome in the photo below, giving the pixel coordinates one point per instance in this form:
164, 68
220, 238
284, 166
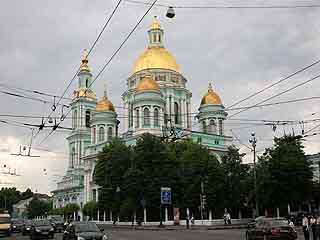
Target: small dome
88, 93
104, 105
155, 25
211, 97
84, 65
148, 84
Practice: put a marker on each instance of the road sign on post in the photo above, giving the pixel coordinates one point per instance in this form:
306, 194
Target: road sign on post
165, 195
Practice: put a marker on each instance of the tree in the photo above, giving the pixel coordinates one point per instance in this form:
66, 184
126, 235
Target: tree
236, 180
37, 208
289, 178
90, 209
70, 209
8, 197
26, 194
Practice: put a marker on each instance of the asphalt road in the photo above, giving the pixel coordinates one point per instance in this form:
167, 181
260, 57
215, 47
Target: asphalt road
124, 234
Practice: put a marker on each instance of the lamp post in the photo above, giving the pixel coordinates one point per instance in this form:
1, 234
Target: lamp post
253, 142
118, 190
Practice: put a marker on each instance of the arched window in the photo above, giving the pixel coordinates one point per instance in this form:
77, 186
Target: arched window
212, 126
154, 38
73, 153
87, 83
159, 38
146, 117
220, 127
204, 127
109, 133
176, 113
137, 118
156, 117
101, 134
75, 117
88, 118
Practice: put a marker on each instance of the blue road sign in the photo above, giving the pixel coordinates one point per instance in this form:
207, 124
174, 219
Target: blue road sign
165, 195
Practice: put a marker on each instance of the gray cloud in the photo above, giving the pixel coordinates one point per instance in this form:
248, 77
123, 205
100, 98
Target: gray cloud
241, 51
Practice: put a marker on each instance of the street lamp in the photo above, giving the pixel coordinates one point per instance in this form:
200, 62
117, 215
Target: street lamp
253, 142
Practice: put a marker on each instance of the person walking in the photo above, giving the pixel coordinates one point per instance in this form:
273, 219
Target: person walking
313, 223
305, 228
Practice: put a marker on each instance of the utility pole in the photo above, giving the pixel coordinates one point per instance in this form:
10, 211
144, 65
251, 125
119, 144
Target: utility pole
253, 142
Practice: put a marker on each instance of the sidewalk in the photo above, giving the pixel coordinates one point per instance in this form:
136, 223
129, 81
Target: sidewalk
172, 227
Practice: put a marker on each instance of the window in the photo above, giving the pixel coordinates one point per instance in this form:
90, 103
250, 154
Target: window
137, 118
204, 127
156, 117
216, 142
75, 119
88, 118
220, 127
176, 113
72, 157
188, 122
154, 38
212, 126
159, 38
101, 134
130, 116
146, 117
109, 133
87, 83
94, 136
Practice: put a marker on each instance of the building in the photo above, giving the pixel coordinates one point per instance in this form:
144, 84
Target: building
20, 208
156, 96
315, 164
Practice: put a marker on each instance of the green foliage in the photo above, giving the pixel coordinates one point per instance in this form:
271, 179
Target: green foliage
90, 209
285, 173
71, 208
56, 211
38, 207
8, 197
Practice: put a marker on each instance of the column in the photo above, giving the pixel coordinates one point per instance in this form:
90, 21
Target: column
98, 215
172, 109
210, 215
184, 113
110, 213
134, 119
126, 110
140, 117
167, 106
145, 215
278, 213
166, 214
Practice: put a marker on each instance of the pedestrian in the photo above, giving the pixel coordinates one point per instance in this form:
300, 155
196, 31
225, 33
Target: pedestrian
313, 223
305, 227
225, 216
318, 227
228, 218
192, 220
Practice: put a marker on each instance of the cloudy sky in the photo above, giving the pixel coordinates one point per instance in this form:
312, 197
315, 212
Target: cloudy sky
239, 50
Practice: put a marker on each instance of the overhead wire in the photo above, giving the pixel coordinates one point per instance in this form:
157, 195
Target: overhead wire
276, 83
229, 6
89, 52
277, 95
112, 57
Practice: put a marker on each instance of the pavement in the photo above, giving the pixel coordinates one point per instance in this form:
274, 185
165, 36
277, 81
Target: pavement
182, 234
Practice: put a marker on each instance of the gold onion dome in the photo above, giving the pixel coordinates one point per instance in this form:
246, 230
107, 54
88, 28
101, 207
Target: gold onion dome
156, 57
148, 84
104, 104
84, 65
211, 97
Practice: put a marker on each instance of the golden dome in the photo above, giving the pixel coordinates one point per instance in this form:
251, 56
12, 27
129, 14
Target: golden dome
148, 84
85, 93
156, 57
104, 105
84, 65
155, 25
211, 97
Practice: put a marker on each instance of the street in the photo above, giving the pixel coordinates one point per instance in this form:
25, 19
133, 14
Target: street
124, 234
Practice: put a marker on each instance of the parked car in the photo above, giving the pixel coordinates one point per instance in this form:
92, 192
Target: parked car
16, 225
26, 227
41, 229
5, 224
57, 223
84, 231
271, 228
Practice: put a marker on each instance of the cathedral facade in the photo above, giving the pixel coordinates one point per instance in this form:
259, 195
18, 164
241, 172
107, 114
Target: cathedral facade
156, 99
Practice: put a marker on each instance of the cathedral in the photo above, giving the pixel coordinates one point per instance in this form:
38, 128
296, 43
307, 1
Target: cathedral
155, 98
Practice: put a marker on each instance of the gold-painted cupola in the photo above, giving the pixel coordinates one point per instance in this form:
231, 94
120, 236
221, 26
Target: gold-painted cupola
211, 97
105, 104
156, 56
